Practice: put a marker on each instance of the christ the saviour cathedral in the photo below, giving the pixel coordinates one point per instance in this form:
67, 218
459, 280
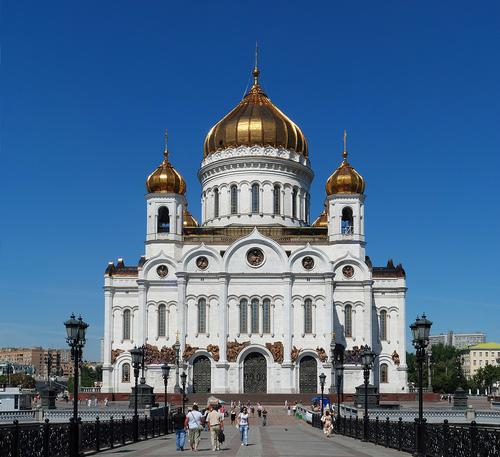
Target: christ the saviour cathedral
255, 297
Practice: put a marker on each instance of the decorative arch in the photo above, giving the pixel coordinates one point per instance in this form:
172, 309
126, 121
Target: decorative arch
153, 262
309, 250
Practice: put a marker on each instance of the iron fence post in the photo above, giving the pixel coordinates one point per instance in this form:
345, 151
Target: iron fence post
376, 431
473, 439
111, 432
123, 429
15, 440
387, 425
444, 441
97, 433
356, 425
145, 427
46, 434
400, 433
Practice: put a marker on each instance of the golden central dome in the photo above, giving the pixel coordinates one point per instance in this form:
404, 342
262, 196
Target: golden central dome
255, 121
166, 178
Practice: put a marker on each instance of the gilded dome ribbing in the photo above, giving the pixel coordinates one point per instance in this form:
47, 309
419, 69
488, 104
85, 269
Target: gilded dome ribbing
166, 178
255, 121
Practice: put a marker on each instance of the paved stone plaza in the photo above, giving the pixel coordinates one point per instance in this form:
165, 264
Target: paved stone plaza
283, 436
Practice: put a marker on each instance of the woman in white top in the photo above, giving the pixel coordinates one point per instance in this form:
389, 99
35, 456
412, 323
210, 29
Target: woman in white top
243, 424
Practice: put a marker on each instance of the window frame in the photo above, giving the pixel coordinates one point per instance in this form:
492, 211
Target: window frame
308, 316
202, 316
348, 320
162, 320
233, 197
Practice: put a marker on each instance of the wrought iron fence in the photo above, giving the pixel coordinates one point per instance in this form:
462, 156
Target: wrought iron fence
441, 440
53, 439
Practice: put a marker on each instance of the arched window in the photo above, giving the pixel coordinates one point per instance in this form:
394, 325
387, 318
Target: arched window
234, 199
348, 321
308, 323
202, 315
277, 199
125, 372
294, 203
126, 324
384, 373
255, 198
243, 316
347, 226
163, 220
216, 202
255, 315
383, 325
162, 313
266, 316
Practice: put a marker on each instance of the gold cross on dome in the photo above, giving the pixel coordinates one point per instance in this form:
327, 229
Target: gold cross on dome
177, 333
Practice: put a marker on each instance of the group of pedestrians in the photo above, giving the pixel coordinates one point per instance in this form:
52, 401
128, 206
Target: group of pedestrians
212, 420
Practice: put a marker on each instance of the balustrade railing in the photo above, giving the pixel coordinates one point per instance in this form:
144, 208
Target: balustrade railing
441, 440
53, 439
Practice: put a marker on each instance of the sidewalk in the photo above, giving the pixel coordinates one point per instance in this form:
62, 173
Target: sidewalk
283, 437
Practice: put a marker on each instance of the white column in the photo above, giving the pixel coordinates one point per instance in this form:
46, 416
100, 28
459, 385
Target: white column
368, 316
287, 383
328, 323
142, 320
108, 336
181, 310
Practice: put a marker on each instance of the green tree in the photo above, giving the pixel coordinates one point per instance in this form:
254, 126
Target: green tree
447, 373
19, 379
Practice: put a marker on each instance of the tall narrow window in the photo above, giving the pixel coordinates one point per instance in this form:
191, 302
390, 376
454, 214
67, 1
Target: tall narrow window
202, 315
163, 220
125, 372
216, 202
294, 203
234, 199
348, 321
266, 316
243, 316
308, 325
384, 373
255, 315
162, 313
347, 226
383, 325
126, 324
277, 199
255, 198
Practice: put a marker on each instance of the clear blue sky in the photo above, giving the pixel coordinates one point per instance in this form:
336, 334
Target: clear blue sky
89, 87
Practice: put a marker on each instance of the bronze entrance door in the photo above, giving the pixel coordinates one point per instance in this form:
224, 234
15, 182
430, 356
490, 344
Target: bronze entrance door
308, 375
201, 375
255, 374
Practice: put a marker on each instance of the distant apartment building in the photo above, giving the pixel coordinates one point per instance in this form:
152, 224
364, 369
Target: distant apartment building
458, 340
36, 357
480, 355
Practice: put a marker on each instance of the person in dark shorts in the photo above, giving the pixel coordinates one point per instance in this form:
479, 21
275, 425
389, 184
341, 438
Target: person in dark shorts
233, 415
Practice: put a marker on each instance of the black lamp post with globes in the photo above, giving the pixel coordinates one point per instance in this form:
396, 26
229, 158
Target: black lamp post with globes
421, 330
165, 371
367, 359
75, 337
137, 357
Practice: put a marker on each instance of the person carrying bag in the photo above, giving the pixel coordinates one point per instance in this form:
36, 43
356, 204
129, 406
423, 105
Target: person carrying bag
195, 427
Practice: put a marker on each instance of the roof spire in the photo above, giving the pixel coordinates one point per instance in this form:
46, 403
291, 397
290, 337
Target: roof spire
165, 152
256, 71
344, 154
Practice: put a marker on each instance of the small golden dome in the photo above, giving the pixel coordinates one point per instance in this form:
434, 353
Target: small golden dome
166, 178
255, 121
189, 220
322, 220
345, 179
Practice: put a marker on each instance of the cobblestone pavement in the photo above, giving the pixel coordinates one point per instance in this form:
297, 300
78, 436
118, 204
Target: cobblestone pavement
283, 436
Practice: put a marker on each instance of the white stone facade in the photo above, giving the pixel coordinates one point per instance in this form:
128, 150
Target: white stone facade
293, 303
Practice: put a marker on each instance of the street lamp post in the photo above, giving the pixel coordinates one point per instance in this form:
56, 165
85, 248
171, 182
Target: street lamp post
367, 359
339, 371
165, 370
75, 336
136, 354
177, 348
48, 362
421, 329
322, 378
184, 397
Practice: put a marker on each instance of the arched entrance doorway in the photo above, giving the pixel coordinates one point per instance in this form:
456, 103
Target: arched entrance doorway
254, 374
308, 375
202, 377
